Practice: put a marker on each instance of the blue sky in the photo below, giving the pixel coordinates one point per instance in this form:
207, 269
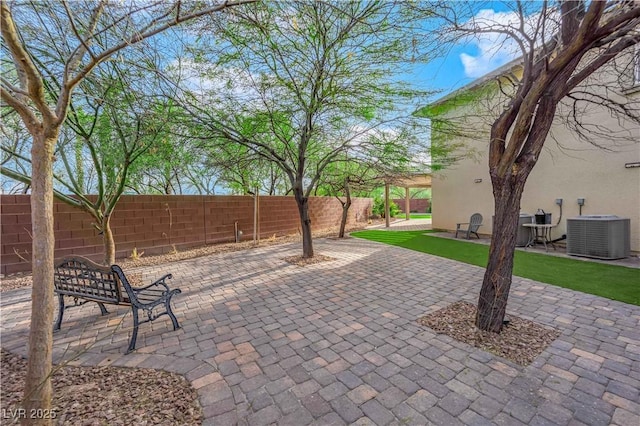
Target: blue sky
465, 62
444, 74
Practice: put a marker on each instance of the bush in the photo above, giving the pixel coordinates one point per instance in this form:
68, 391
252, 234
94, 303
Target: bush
378, 207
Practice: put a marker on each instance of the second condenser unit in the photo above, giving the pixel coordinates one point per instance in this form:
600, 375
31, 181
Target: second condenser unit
599, 236
524, 233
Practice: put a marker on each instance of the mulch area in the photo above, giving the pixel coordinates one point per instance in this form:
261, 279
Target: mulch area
520, 341
304, 261
106, 395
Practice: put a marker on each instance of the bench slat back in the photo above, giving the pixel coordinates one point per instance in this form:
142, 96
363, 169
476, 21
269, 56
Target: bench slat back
82, 277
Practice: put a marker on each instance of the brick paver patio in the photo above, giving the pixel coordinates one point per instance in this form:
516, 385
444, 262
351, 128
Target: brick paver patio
267, 342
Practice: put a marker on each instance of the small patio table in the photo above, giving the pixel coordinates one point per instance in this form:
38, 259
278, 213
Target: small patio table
540, 233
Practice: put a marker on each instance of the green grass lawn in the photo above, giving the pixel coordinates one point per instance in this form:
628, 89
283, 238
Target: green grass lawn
418, 215
610, 281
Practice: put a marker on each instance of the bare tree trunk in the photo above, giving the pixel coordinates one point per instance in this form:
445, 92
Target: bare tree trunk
108, 242
272, 183
38, 389
305, 223
345, 209
492, 303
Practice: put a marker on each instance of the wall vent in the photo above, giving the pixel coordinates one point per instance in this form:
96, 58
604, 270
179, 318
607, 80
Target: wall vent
599, 236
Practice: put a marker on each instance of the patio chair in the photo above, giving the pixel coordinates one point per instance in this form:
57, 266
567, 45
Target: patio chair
474, 223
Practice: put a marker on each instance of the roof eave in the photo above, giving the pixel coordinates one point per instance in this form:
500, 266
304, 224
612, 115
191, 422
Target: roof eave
498, 72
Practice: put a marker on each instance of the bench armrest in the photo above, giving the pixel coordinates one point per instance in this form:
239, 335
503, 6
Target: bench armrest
158, 283
156, 293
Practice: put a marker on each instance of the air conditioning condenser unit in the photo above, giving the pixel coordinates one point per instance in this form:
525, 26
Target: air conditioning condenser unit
599, 236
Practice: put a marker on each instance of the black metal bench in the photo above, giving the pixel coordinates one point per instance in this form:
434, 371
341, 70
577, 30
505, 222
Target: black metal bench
86, 281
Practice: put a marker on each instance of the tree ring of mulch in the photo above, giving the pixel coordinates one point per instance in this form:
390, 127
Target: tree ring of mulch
304, 261
520, 341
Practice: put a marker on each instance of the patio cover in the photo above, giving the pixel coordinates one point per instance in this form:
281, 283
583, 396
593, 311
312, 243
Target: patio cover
417, 180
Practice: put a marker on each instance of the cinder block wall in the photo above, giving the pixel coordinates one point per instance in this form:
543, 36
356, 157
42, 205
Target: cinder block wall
155, 223
419, 205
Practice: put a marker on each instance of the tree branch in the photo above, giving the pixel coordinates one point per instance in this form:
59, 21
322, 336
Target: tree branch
22, 109
602, 59
27, 71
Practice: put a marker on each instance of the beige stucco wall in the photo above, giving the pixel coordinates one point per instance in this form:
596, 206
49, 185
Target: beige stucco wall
567, 168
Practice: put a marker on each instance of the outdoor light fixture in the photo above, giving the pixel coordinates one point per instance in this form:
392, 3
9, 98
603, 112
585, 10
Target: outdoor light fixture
632, 165
477, 180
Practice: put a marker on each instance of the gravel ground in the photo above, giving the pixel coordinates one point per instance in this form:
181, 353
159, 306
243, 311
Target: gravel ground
521, 341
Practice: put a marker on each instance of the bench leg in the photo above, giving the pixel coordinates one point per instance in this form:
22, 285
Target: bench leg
134, 333
174, 320
60, 312
102, 308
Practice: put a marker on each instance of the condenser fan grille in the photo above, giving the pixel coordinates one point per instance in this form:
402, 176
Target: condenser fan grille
599, 236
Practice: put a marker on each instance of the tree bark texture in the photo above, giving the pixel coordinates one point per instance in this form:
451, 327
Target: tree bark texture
38, 388
492, 302
108, 242
345, 209
305, 223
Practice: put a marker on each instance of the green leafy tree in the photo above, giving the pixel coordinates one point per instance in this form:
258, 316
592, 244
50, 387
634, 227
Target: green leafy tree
173, 164
83, 35
242, 170
110, 126
340, 179
392, 155
304, 81
379, 207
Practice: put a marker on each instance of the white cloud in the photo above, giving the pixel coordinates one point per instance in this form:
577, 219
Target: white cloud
490, 56
495, 49
220, 85
205, 77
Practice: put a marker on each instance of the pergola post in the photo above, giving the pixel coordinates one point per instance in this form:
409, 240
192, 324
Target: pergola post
407, 203
387, 210
417, 180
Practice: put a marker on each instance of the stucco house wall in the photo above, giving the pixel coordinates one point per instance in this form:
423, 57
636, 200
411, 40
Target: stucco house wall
568, 168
